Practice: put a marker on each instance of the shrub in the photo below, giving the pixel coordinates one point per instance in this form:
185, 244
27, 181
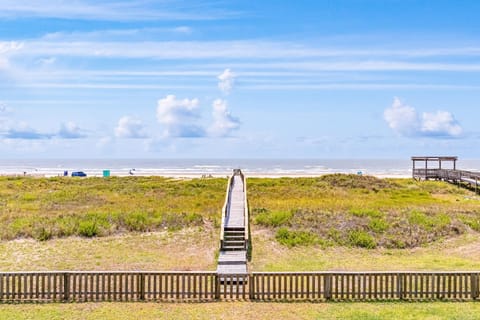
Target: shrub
88, 228
296, 238
136, 221
428, 223
378, 225
273, 218
361, 239
366, 213
43, 234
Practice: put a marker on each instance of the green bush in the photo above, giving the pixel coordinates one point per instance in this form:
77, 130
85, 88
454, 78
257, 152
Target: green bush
273, 218
427, 222
42, 234
366, 213
378, 225
362, 239
137, 221
296, 238
88, 228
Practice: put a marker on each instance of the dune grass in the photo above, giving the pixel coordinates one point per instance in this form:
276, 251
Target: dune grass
44, 208
362, 211
245, 310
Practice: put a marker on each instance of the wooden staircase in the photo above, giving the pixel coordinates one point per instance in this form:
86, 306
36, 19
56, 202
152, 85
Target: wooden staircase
234, 239
232, 259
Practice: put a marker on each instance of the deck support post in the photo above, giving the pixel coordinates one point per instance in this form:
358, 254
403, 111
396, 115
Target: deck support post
474, 286
327, 287
66, 287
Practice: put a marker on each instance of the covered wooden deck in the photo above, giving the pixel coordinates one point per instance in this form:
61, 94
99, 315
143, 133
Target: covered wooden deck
443, 168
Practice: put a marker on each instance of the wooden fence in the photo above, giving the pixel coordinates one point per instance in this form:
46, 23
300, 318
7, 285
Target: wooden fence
256, 286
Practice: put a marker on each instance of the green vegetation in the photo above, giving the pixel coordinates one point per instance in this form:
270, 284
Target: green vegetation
245, 310
459, 253
332, 210
362, 211
43, 208
296, 238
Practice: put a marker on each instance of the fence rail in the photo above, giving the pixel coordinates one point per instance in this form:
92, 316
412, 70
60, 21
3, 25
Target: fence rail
256, 286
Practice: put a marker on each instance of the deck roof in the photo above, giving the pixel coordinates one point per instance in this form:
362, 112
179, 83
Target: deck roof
435, 158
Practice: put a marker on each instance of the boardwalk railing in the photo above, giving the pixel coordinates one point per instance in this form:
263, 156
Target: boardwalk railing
448, 175
257, 286
246, 213
225, 208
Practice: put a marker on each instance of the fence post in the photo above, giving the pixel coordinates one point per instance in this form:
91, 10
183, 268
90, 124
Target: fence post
66, 286
251, 287
474, 286
327, 286
141, 286
400, 289
217, 287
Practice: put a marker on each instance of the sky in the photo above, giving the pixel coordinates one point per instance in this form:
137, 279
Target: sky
239, 79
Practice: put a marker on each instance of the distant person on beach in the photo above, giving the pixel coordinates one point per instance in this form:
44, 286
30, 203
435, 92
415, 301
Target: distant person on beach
131, 171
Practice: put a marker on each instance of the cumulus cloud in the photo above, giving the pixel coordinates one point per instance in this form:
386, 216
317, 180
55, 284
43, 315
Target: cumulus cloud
130, 128
179, 117
405, 121
70, 130
401, 118
226, 81
440, 123
223, 122
23, 131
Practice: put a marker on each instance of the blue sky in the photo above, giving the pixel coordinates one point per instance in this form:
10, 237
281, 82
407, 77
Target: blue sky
231, 79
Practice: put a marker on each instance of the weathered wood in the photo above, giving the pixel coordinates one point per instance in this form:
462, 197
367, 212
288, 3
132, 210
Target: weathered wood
207, 286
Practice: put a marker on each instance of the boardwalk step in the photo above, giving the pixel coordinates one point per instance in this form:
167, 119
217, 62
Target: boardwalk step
234, 242
234, 248
234, 238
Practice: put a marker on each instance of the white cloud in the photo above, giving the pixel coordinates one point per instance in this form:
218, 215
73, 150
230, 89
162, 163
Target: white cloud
179, 117
227, 80
440, 123
401, 118
70, 130
130, 128
107, 10
405, 121
183, 29
223, 122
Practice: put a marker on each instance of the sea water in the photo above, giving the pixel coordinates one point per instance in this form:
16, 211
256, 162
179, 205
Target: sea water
216, 167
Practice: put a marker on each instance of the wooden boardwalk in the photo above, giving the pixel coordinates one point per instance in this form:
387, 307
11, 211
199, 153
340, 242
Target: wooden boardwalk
235, 217
453, 175
234, 234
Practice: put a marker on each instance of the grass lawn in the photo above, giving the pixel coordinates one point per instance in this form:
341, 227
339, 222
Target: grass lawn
188, 249
244, 310
459, 253
333, 222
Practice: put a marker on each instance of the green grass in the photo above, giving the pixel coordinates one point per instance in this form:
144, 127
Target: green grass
44, 208
459, 253
245, 310
331, 210
352, 210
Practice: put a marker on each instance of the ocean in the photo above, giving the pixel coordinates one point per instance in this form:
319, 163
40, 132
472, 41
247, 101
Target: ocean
216, 167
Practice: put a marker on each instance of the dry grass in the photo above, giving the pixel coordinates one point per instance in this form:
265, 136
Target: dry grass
189, 249
461, 253
244, 310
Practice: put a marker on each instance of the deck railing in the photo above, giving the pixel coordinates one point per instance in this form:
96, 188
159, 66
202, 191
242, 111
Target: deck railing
365, 286
84, 286
246, 213
224, 209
